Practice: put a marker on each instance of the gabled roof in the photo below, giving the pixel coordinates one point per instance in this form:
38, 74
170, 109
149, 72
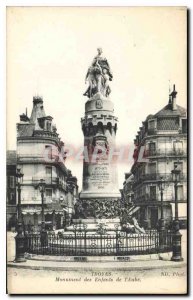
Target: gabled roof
167, 111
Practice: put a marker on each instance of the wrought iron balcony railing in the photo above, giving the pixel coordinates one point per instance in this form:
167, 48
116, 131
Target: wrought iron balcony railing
51, 181
156, 177
44, 157
157, 197
48, 180
165, 152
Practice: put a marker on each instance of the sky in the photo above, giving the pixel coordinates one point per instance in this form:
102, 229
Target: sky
49, 50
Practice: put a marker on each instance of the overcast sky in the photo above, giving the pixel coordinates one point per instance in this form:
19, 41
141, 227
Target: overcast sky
50, 49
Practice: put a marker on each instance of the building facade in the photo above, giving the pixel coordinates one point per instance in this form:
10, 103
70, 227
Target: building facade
160, 144
40, 155
11, 162
127, 191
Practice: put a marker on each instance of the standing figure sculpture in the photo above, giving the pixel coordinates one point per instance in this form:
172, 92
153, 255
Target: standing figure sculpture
98, 76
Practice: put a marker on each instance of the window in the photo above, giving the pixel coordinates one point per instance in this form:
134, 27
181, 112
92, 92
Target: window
179, 166
48, 150
152, 148
48, 175
48, 171
48, 126
151, 124
11, 182
12, 199
184, 125
152, 193
180, 193
49, 193
152, 168
178, 147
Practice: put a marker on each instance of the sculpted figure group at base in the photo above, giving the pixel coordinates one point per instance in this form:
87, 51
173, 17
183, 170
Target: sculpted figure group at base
98, 76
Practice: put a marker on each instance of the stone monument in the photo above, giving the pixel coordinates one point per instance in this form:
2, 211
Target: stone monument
100, 196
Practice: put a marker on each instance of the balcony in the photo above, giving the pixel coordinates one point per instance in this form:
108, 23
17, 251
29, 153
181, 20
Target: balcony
166, 152
157, 198
156, 177
147, 197
23, 158
48, 180
40, 158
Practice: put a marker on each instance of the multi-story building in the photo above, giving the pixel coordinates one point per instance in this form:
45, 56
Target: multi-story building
127, 191
11, 163
40, 155
160, 143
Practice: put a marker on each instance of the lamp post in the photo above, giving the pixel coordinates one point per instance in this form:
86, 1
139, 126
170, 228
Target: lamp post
42, 191
19, 239
177, 251
161, 221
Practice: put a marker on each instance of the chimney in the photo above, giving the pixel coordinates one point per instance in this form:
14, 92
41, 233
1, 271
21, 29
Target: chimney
173, 98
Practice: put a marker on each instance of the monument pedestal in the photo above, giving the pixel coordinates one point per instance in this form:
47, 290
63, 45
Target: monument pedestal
100, 196
92, 225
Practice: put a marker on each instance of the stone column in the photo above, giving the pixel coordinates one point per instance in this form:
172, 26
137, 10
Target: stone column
100, 194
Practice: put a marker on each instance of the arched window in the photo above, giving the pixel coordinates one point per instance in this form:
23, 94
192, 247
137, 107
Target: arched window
100, 128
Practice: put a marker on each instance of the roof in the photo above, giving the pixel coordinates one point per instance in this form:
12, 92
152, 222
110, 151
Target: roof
167, 111
25, 129
11, 157
37, 111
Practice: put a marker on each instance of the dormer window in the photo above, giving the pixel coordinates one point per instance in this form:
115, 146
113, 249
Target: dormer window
151, 124
48, 126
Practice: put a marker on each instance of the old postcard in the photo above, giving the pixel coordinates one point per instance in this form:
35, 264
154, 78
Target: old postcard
96, 150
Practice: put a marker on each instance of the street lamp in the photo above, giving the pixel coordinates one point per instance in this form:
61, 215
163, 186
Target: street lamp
161, 188
177, 235
42, 185
20, 239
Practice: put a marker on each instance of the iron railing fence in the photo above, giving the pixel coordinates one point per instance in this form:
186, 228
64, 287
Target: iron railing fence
84, 243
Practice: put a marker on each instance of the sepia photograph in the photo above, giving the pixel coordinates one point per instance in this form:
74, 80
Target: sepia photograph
96, 150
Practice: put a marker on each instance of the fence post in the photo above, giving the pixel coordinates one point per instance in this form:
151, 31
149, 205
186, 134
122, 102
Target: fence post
20, 243
85, 245
75, 239
176, 243
117, 242
44, 239
162, 234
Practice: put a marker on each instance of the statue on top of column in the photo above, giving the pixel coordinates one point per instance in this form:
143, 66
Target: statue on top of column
98, 75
